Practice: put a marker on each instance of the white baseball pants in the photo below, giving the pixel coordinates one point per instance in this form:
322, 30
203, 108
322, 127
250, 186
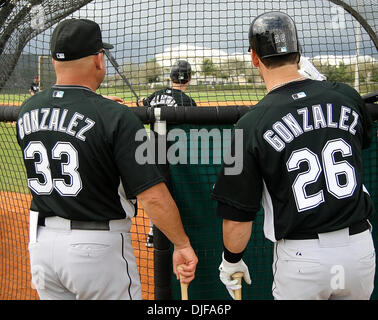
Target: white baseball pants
335, 266
83, 264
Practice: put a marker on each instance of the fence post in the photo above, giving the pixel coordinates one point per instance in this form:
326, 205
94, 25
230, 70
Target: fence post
162, 246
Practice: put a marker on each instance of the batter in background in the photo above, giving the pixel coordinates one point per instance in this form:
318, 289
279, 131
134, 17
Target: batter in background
34, 86
302, 159
79, 153
181, 75
175, 96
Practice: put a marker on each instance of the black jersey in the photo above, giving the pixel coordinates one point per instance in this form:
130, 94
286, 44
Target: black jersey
169, 97
79, 153
302, 156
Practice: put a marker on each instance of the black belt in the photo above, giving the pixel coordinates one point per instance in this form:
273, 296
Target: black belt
82, 225
353, 229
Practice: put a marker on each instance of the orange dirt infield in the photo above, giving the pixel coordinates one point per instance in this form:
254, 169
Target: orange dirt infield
15, 279
12, 104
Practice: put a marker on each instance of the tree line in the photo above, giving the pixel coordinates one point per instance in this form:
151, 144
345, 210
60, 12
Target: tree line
233, 71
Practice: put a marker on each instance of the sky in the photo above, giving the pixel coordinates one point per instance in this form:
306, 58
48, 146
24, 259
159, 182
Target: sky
139, 29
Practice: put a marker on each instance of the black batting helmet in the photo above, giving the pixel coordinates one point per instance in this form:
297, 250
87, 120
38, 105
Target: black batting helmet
181, 71
273, 34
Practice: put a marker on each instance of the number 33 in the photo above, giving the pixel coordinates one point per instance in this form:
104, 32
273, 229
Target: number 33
42, 167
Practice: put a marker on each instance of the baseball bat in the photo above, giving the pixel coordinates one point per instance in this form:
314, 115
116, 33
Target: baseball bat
116, 67
238, 276
184, 286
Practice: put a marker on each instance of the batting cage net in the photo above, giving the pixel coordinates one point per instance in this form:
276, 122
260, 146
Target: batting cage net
338, 37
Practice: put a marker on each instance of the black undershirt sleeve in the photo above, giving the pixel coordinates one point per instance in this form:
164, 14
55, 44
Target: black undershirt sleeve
228, 212
240, 189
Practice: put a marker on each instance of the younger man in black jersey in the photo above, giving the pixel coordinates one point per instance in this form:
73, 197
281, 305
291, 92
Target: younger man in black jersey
302, 157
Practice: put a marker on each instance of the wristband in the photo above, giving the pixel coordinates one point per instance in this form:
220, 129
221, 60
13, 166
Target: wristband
232, 257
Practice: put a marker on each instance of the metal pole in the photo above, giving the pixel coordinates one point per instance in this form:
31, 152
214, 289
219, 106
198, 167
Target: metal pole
358, 36
162, 246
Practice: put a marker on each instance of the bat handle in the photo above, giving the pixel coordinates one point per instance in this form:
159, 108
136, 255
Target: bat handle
238, 276
184, 286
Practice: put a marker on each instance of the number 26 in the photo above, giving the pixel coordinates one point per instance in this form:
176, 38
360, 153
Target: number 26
332, 171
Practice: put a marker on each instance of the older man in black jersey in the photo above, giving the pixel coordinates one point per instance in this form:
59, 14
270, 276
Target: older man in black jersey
79, 153
302, 157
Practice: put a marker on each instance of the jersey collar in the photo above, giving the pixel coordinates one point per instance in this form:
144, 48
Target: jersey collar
290, 84
63, 86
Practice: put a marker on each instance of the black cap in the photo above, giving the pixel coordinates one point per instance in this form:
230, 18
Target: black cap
76, 38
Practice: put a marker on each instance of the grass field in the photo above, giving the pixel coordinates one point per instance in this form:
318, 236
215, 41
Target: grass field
13, 99
211, 95
203, 96
231, 96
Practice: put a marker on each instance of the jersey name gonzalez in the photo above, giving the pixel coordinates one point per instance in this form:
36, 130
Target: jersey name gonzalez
54, 119
289, 128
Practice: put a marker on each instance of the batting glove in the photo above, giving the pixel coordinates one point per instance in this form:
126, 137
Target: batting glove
308, 70
227, 269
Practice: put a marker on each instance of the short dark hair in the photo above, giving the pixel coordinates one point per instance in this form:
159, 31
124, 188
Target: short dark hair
279, 61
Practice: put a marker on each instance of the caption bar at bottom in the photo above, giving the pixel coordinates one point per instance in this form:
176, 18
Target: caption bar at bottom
198, 310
